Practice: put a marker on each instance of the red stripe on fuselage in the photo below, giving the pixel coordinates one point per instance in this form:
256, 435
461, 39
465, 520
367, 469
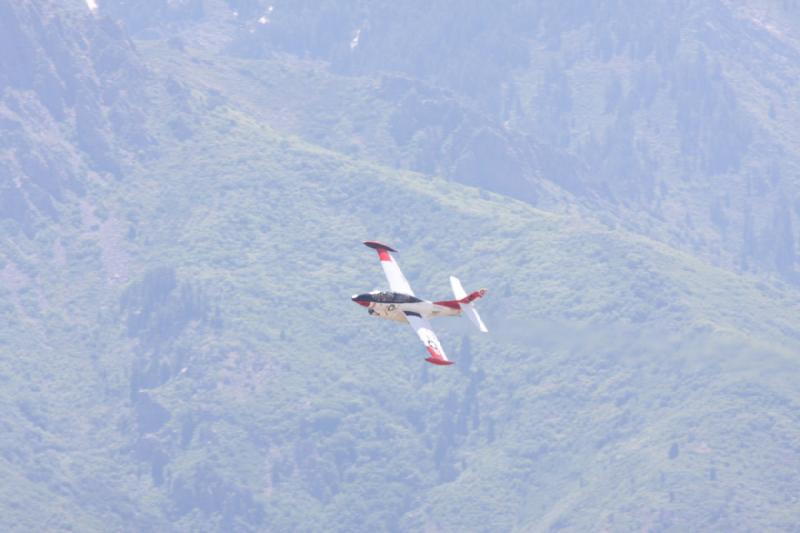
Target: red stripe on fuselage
452, 304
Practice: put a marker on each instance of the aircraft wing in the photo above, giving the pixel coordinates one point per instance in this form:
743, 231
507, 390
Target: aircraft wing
397, 281
423, 329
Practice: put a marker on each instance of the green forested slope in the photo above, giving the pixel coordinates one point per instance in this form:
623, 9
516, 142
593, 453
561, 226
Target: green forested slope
182, 353
677, 121
178, 350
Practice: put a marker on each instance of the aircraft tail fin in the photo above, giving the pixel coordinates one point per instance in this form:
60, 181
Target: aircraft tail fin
465, 301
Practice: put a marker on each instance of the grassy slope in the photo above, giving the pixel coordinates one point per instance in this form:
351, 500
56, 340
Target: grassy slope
298, 409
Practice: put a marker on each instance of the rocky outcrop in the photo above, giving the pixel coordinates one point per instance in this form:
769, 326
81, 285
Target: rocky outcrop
71, 103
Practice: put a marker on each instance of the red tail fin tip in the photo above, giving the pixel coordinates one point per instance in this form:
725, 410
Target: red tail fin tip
473, 296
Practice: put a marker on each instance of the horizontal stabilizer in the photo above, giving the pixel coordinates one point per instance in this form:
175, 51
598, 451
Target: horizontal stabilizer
465, 302
473, 315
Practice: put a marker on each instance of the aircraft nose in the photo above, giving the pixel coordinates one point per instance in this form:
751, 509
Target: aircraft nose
357, 298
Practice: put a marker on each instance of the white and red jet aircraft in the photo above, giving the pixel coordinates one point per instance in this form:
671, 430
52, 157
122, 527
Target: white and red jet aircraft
402, 306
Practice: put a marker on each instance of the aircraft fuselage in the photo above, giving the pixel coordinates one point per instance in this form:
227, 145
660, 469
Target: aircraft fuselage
395, 306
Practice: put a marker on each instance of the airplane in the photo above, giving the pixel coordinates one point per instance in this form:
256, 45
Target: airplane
401, 305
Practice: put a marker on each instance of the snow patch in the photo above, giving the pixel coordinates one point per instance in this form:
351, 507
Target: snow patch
354, 42
265, 17
765, 25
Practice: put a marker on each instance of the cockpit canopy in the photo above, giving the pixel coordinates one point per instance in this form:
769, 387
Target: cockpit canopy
386, 297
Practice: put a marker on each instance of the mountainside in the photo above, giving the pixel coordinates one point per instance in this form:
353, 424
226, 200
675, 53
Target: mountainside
71, 106
675, 121
178, 350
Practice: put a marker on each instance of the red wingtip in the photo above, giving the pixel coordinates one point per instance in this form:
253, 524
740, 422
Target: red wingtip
436, 358
440, 362
379, 246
